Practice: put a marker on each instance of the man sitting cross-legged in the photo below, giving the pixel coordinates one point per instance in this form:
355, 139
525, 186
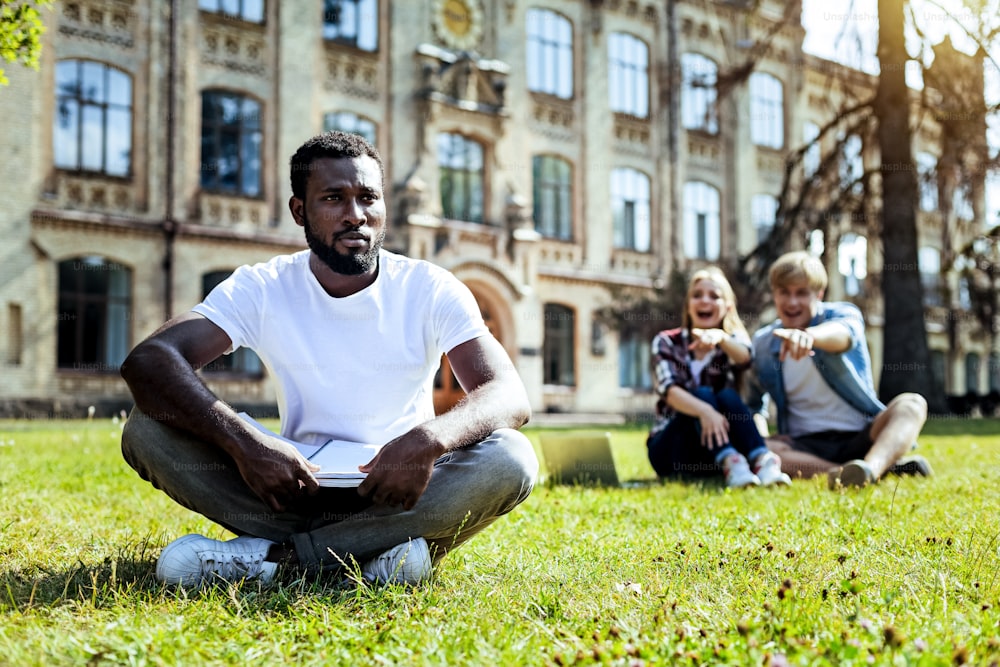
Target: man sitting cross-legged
352, 335
814, 363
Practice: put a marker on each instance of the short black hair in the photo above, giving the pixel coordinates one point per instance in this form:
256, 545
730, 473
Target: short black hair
333, 144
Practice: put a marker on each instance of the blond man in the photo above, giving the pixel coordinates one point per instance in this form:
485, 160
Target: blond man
814, 364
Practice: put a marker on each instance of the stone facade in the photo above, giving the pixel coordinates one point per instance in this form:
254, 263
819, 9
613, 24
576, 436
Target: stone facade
434, 67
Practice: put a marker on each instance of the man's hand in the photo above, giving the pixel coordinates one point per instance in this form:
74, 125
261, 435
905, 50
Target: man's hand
277, 472
714, 428
400, 472
796, 343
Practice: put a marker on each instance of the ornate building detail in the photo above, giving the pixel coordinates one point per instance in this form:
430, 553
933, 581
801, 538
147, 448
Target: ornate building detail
463, 80
352, 73
232, 212
702, 149
235, 48
110, 22
555, 112
632, 131
95, 195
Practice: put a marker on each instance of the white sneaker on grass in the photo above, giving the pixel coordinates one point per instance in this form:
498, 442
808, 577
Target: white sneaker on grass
767, 467
738, 473
194, 560
406, 563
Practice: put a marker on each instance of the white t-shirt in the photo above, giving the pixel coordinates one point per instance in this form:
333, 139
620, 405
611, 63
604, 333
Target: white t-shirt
358, 368
812, 405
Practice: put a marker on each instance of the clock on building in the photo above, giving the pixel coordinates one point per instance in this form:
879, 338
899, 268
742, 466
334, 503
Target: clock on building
458, 23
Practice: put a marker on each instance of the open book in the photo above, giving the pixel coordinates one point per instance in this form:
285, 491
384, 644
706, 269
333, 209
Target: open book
338, 459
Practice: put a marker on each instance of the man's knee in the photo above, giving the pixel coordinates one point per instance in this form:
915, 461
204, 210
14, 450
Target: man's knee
511, 463
910, 405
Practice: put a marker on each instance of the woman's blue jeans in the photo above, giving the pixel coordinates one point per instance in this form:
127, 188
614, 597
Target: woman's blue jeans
676, 451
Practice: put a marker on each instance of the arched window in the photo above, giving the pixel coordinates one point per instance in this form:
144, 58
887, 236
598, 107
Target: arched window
929, 264
852, 262
92, 124
634, 361
927, 181
552, 196
852, 166
813, 155
231, 143
767, 110
628, 74
243, 361
701, 221
550, 53
95, 298
763, 213
559, 346
630, 209
460, 161
699, 76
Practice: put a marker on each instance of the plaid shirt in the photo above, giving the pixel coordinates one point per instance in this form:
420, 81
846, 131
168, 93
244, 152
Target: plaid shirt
673, 367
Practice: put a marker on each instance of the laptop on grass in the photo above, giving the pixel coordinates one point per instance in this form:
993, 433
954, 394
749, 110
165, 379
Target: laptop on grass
579, 458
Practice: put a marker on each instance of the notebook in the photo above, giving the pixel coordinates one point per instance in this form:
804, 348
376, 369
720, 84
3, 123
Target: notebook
338, 459
579, 458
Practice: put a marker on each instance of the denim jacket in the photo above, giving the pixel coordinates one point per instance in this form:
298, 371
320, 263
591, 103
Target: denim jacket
848, 373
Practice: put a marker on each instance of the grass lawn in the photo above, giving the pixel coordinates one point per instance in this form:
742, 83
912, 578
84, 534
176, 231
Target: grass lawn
904, 573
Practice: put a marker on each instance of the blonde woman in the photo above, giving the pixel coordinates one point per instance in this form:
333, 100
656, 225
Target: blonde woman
703, 426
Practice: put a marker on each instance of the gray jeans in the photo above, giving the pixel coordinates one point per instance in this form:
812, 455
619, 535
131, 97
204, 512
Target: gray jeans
468, 490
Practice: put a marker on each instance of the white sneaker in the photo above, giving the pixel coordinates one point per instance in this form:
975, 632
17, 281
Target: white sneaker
738, 473
406, 563
193, 560
767, 467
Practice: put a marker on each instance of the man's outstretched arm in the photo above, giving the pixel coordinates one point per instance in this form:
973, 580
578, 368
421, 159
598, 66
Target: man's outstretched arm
160, 372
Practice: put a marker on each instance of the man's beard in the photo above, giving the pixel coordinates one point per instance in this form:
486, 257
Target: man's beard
351, 264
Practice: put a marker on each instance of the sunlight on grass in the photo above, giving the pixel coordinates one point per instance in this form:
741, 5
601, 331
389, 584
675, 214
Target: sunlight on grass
902, 573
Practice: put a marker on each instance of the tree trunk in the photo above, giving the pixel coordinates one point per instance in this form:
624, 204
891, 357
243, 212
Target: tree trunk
906, 359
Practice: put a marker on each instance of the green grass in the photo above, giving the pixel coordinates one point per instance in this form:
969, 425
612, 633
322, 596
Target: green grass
905, 573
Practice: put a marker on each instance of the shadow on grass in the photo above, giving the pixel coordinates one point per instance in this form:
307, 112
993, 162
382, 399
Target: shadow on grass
128, 573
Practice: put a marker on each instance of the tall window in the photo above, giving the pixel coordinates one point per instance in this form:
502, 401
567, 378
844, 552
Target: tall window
927, 181
698, 93
929, 263
231, 142
701, 221
550, 53
962, 202
852, 167
811, 158
852, 262
248, 10
634, 361
346, 121
243, 360
552, 194
767, 110
351, 22
628, 74
92, 126
460, 161
972, 363
94, 314
763, 213
630, 209
558, 347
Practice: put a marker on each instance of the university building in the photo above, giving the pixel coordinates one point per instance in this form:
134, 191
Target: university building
548, 152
